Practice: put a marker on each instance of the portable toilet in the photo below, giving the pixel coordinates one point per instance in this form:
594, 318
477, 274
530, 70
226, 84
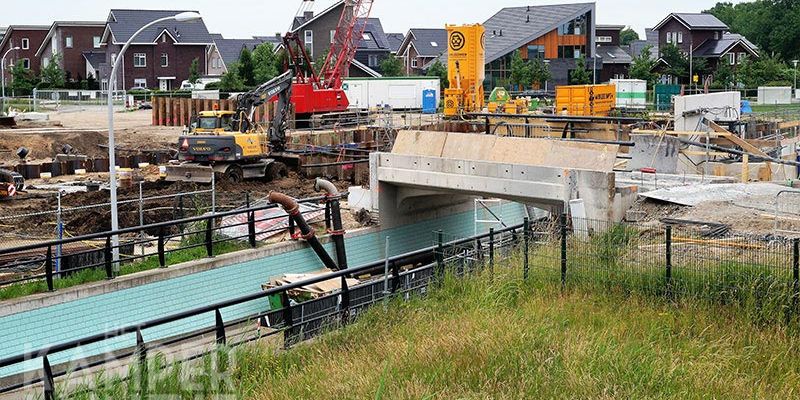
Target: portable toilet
429, 101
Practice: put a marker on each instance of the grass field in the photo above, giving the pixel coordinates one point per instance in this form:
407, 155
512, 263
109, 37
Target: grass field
503, 338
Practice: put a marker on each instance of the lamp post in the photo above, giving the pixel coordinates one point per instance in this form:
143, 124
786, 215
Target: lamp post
795, 72
3, 73
112, 161
594, 69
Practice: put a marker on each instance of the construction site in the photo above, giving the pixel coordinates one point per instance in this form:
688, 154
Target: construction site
288, 181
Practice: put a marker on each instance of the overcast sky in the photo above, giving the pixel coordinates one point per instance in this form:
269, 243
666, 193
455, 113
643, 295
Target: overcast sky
245, 18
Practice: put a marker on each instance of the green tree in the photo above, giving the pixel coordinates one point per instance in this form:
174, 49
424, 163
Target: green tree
521, 72
540, 72
194, 71
391, 66
677, 62
770, 24
52, 76
438, 69
22, 81
724, 77
580, 75
246, 68
319, 62
627, 36
231, 81
642, 66
265, 62
768, 70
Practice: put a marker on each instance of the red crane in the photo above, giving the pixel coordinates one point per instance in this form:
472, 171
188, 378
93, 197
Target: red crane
314, 93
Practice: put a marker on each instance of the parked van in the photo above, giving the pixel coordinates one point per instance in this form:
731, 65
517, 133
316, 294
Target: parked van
200, 85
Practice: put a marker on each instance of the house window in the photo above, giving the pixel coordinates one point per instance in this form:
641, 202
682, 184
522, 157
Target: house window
113, 58
535, 52
140, 83
680, 37
164, 60
732, 58
309, 41
372, 61
96, 42
333, 35
26, 63
104, 84
45, 62
26, 44
604, 39
740, 58
68, 42
414, 63
716, 35
669, 37
366, 36
139, 60
54, 47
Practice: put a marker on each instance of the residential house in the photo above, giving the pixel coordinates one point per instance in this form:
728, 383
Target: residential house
28, 38
2, 32
67, 42
557, 34
161, 56
613, 62
421, 48
703, 36
225, 52
651, 39
395, 41
318, 30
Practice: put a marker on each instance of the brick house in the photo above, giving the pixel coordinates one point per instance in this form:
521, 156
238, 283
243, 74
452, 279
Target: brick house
420, 48
225, 52
613, 61
67, 42
704, 36
28, 38
161, 56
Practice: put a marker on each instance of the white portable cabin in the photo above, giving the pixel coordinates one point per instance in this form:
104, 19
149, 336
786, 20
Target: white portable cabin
400, 93
631, 93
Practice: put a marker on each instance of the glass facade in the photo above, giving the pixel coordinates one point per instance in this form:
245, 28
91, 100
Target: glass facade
535, 52
577, 26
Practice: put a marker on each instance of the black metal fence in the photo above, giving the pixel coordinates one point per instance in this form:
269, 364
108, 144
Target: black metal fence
680, 259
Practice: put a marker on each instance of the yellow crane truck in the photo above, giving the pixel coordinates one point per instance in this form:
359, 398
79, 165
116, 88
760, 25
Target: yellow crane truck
227, 145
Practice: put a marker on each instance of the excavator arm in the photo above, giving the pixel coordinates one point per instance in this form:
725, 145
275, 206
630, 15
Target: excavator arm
279, 87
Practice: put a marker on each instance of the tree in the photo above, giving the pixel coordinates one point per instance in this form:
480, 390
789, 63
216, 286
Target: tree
677, 62
627, 36
724, 76
91, 82
439, 70
521, 72
247, 68
642, 66
770, 24
391, 66
22, 82
52, 76
231, 81
579, 75
194, 71
319, 62
265, 62
768, 70
540, 72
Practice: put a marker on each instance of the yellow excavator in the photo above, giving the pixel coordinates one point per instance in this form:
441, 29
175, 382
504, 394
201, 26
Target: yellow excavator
227, 145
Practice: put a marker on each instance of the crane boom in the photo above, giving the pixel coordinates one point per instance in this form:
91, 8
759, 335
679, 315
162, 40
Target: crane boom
349, 32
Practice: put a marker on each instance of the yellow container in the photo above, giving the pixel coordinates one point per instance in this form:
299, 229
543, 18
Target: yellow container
586, 100
466, 68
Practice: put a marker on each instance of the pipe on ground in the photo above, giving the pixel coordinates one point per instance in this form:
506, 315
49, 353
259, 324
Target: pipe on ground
293, 209
337, 231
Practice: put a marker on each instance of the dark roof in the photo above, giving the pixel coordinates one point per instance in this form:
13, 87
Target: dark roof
695, 21
424, 40
95, 58
301, 21
610, 27
717, 48
395, 41
124, 23
373, 30
274, 39
614, 55
516, 30
231, 49
651, 40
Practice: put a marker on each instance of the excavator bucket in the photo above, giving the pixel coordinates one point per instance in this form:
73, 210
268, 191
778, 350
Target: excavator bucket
190, 173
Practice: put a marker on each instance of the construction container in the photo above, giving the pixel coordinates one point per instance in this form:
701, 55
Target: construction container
631, 93
664, 95
768, 95
399, 93
466, 68
586, 100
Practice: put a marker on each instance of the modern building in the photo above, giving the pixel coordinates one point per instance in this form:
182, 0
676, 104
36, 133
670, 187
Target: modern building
161, 56
421, 48
28, 38
704, 36
67, 42
612, 61
557, 34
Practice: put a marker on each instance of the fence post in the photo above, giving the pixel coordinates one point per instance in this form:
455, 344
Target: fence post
162, 259
288, 321
563, 226
795, 272
141, 356
47, 380
526, 232
220, 328
491, 252
108, 259
668, 235
49, 268
440, 254
251, 228
141, 214
345, 304
210, 236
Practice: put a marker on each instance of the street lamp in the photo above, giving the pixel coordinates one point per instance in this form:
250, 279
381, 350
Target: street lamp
594, 69
3, 73
795, 72
112, 162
